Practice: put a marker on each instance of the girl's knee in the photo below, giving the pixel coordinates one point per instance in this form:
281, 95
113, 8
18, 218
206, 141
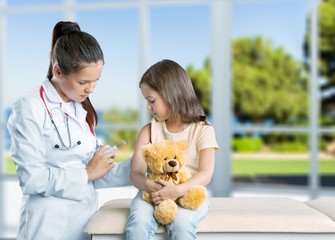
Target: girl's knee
140, 227
141, 223
185, 222
183, 227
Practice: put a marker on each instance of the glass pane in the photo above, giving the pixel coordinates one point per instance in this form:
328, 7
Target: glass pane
118, 2
326, 40
270, 83
27, 53
113, 136
117, 94
180, 34
27, 58
272, 161
327, 165
117, 33
30, 3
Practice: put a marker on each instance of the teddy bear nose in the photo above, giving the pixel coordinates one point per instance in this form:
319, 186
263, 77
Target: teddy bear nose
172, 163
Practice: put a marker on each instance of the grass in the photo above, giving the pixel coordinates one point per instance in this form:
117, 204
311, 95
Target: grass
245, 167
280, 167
10, 167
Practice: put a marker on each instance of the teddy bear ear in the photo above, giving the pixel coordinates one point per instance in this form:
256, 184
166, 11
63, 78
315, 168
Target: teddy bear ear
146, 149
146, 146
182, 144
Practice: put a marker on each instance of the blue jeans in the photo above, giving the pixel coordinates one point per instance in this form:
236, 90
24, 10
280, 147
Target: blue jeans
142, 224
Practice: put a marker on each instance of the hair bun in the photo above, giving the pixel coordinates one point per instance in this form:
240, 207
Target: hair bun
70, 28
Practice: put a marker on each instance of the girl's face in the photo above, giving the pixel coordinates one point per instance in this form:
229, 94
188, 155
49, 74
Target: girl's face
77, 86
155, 103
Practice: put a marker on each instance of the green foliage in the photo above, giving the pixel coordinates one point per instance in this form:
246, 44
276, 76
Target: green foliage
202, 85
290, 147
129, 135
247, 144
9, 165
272, 139
116, 115
116, 134
326, 39
267, 82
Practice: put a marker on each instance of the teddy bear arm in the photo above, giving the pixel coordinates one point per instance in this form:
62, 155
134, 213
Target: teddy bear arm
147, 197
184, 176
195, 196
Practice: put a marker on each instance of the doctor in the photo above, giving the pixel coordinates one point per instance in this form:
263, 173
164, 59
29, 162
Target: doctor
58, 162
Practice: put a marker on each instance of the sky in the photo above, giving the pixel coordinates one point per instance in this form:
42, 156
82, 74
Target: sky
178, 32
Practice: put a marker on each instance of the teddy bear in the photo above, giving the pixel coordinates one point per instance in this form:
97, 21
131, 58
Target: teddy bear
166, 160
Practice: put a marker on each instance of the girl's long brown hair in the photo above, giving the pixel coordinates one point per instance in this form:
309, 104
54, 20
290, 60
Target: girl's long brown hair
172, 82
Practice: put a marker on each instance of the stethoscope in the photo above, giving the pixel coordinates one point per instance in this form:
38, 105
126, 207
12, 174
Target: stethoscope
62, 145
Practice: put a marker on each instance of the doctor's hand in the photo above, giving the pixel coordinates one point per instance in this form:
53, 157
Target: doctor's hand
100, 164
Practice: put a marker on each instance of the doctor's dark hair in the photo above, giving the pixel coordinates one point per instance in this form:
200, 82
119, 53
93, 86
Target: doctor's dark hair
73, 49
174, 85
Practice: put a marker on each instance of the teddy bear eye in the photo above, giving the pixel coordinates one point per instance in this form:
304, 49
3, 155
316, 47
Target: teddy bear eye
175, 157
165, 158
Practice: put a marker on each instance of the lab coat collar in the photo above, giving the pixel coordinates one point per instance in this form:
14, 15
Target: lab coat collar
51, 92
52, 96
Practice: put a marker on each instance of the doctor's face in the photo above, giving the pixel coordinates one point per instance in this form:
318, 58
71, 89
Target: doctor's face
77, 86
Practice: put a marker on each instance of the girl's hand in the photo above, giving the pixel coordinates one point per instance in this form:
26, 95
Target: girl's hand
100, 164
154, 186
168, 191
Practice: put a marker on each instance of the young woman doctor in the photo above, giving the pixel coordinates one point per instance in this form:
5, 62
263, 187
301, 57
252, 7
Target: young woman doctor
58, 162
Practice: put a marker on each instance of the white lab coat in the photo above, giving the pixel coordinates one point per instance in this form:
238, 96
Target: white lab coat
58, 200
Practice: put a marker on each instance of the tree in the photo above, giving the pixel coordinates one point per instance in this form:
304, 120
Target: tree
201, 83
326, 65
326, 39
267, 82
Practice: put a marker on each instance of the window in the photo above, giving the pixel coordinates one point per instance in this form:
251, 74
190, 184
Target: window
268, 126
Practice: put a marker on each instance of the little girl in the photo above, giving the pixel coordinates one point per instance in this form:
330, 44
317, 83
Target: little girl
177, 115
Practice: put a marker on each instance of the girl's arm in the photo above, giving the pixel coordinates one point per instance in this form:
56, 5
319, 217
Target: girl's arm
138, 165
205, 171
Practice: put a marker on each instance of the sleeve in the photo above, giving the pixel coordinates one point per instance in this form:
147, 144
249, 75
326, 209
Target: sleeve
119, 176
25, 125
207, 138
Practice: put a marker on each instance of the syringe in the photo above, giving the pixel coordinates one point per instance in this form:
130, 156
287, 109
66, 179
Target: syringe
116, 146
